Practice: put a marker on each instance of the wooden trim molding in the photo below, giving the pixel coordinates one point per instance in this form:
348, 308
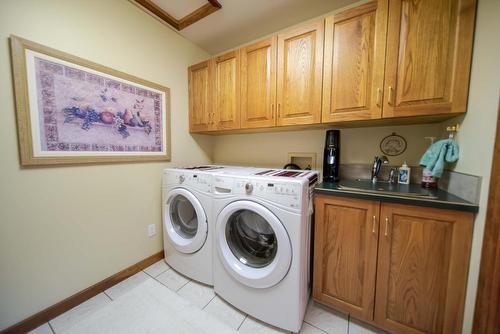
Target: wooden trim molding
487, 312
53, 311
179, 24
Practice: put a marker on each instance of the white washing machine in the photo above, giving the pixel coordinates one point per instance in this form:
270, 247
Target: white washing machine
262, 243
188, 221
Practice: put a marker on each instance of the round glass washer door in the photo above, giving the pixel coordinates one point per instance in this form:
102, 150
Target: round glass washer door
185, 221
253, 244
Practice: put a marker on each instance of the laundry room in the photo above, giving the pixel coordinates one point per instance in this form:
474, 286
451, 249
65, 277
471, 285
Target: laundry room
232, 166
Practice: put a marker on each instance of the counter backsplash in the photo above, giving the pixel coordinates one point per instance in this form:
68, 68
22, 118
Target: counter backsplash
459, 184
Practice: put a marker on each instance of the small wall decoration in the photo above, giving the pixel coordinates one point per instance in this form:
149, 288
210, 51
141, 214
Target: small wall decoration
393, 145
71, 110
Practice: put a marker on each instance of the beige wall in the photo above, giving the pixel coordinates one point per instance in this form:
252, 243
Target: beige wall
358, 145
477, 134
64, 229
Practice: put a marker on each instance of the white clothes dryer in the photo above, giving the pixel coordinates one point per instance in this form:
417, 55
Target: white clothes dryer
262, 243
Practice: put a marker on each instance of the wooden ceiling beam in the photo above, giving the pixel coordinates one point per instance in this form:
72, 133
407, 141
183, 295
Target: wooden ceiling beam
215, 3
158, 11
198, 14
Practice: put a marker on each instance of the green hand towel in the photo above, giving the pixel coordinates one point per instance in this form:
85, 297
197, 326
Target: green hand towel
438, 154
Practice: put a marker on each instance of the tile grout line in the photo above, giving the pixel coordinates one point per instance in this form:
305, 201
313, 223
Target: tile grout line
315, 326
245, 318
177, 291
108, 295
209, 301
50, 326
154, 277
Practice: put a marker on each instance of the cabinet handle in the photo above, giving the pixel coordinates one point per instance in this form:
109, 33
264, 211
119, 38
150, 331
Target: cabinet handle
379, 97
386, 225
279, 105
374, 222
272, 109
390, 98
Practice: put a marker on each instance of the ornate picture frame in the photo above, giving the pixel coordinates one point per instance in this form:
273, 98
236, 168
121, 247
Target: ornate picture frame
73, 111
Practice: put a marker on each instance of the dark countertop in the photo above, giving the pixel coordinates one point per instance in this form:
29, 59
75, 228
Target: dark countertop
394, 193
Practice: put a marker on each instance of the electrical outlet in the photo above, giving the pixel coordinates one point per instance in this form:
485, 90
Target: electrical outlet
151, 230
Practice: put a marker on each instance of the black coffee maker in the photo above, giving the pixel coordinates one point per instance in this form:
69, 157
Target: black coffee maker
331, 157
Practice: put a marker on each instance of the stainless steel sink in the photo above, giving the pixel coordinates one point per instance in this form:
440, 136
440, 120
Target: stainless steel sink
386, 188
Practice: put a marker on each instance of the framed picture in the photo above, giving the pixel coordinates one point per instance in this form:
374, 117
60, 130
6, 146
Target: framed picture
73, 111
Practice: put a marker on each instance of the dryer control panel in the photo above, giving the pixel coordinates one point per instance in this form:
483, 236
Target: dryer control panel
288, 194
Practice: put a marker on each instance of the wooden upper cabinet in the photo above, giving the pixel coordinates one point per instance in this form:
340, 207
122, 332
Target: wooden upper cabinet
226, 86
345, 254
423, 261
258, 84
299, 75
429, 47
354, 63
200, 97
388, 59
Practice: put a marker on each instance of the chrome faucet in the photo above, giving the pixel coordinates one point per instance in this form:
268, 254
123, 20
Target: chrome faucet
377, 164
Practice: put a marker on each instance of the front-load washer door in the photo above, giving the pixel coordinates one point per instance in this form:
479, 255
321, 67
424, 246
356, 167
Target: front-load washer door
185, 221
253, 244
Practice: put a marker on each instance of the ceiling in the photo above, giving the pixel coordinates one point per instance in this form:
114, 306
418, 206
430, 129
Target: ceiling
241, 21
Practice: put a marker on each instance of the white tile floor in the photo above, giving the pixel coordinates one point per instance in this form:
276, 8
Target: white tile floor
318, 320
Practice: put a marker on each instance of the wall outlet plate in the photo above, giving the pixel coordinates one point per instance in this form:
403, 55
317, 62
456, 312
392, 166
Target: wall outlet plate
151, 230
303, 159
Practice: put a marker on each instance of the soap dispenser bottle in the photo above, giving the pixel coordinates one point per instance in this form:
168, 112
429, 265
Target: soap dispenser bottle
404, 174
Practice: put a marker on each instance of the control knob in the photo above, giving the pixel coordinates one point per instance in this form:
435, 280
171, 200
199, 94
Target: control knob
248, 187
182, 178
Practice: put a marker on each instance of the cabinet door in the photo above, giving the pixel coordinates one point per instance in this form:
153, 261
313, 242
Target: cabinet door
200, 89
429, 46
227, 91
354, 63
258, 84
423, 261
300, 67
345, 254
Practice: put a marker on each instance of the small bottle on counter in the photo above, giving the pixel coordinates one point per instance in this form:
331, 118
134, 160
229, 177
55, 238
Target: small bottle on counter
404, 174
428, 181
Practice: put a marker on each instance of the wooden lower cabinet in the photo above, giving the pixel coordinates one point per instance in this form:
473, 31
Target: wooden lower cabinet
422, 269
345, 249
414, 283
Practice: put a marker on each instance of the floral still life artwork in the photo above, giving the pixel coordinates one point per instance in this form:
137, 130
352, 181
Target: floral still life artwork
84, 110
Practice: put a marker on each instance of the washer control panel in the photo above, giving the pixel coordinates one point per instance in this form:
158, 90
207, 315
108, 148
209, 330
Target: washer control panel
287, 194
202, 182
